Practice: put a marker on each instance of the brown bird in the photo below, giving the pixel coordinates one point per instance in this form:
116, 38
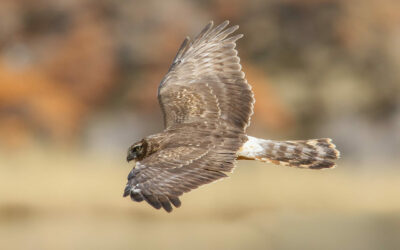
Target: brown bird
207, 104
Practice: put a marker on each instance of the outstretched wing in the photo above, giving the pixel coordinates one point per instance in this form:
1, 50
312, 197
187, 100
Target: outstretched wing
207, 104
205, 81
165, 175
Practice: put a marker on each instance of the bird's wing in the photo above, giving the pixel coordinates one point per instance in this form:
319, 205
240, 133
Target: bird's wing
205, 81
165, 175
207, 104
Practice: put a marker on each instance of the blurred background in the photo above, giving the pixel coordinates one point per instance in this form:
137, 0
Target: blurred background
78, 82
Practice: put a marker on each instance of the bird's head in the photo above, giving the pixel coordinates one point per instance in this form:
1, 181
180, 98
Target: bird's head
137, 151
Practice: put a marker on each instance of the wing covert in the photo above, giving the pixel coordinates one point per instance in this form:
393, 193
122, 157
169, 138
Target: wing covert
161, 178
205, 81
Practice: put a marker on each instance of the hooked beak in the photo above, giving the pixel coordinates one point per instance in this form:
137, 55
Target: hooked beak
130, 157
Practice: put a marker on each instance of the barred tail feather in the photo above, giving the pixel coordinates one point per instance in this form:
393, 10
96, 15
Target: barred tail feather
312, 154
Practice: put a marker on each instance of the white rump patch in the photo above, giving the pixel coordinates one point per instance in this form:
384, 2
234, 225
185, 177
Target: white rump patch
252, 148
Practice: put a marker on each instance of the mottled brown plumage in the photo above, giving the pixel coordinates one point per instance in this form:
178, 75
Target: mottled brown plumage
207, 104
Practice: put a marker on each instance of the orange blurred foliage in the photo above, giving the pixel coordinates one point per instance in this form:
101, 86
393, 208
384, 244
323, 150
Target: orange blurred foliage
52, 97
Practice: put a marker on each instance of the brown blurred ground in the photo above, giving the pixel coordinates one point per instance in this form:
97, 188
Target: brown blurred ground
65, 201
78, 82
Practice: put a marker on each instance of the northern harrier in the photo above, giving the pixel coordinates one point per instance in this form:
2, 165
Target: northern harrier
207, 105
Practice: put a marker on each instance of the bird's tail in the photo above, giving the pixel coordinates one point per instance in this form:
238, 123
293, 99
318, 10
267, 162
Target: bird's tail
313, 154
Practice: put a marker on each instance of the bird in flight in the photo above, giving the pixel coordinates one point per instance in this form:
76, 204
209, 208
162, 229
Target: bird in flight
207, 104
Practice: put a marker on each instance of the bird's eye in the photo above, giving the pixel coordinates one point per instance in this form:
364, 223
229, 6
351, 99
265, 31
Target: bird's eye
138, 148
